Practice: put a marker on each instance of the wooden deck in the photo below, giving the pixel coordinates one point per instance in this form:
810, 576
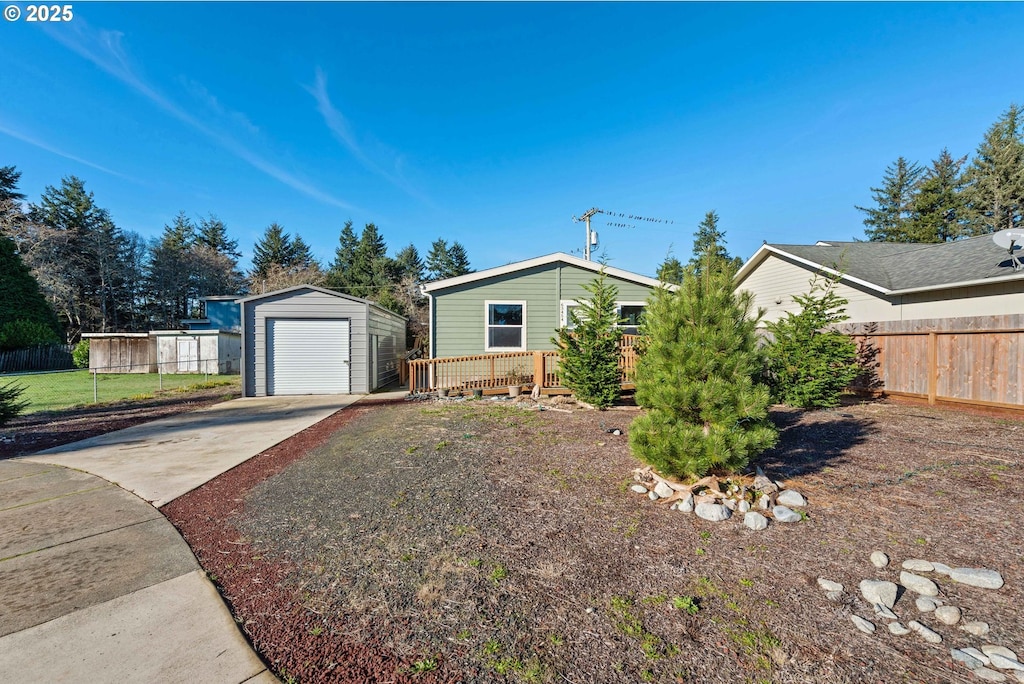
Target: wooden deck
495, 373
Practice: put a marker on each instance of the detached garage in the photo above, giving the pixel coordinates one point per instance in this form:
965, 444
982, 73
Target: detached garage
308, 340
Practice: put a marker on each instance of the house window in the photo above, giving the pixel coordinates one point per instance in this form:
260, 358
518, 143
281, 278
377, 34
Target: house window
630, 315
506, 326
567, 308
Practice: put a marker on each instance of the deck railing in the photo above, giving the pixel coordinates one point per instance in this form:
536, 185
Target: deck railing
494, 373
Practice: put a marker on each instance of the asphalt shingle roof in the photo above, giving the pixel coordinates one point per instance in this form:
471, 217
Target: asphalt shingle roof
904, 266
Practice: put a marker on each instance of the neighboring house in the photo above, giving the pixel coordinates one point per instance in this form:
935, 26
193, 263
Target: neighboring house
221, 312
518, 307
887, 281
309, 340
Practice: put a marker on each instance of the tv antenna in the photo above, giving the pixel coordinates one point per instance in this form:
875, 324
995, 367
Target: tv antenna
591, 240
1010, 240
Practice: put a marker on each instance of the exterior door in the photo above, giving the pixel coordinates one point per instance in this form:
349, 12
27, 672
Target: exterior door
308, 356
188, 355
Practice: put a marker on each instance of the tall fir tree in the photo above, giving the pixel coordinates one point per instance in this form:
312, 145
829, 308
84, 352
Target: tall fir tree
408, 263
274, 247
671, 271
890, 219
697, 376
994, 189
26, 318
213, 233
589, 347
339, 273
937, 210
447, 262
371, 267
709, 244
9, 179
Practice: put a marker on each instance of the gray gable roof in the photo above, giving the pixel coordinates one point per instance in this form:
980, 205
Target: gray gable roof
895, 267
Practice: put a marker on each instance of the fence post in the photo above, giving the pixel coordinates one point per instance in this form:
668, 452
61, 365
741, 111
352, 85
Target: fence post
933, 367
538, 369
95, 393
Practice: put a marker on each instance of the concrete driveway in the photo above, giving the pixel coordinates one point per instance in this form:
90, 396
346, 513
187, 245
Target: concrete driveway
95, 584
161, 460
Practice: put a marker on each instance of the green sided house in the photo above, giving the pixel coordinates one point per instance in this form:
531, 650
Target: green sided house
505, 317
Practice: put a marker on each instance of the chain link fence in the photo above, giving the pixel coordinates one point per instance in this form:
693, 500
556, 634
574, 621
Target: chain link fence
56, 390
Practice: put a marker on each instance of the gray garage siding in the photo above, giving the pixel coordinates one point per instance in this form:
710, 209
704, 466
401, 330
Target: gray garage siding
308, 304
390, 334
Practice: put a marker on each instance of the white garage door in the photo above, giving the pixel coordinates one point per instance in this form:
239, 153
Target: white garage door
307, 356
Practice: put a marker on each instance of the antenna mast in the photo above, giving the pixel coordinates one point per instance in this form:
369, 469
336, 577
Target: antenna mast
586, 219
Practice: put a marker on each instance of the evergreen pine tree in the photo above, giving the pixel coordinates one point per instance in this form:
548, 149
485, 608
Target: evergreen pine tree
214, 234
274, 247
26, 318
809, 362
339, 274
937, 212
371, 268
589, 346
9, 178
671, 271
300, 255
995, 179
459, 260
438, 260
889, 220
408, 264
696, 376
709, 243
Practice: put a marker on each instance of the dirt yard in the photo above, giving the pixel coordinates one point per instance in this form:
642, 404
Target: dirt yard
478, 541
37, 431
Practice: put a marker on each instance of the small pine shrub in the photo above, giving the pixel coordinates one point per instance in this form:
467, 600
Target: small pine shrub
80, 354
809, 363
589, 350
696, 378
11, 403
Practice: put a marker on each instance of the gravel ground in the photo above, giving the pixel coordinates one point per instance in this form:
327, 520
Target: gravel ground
479, 541
37, 431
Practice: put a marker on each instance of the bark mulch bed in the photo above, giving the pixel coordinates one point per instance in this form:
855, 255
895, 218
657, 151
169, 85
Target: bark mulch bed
37, 431
477, 541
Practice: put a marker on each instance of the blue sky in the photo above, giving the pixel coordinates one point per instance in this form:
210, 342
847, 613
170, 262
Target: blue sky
494, 124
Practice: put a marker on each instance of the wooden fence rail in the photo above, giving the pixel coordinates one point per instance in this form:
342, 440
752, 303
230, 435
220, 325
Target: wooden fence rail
497, 372
40, 358
979, 367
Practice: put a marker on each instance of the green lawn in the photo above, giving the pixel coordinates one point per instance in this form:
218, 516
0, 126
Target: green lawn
50, 391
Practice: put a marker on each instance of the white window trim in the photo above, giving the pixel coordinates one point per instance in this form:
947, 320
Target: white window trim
618, 312
487, 325
564, 307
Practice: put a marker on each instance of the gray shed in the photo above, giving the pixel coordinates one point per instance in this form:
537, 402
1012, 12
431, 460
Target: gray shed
308, 340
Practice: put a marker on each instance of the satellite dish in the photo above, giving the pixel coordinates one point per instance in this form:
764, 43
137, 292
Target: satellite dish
1011, 240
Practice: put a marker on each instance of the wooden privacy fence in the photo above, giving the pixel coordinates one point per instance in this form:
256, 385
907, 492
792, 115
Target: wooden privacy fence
40, 358
494, 373
980, 367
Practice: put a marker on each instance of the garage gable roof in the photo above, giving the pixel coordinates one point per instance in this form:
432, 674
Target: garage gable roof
542, 261
322, 290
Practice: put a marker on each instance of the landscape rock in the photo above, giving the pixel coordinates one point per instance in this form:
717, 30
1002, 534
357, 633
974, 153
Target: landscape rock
898, 629
947, 615
879, 591
976, 627
918, 584
931, 636
977, 654
791, 497
917, 565
987, 675
712, 512
884, 613
834, 596
829, 585
756, 521
652, 496
663, 490
785, 515
862, 624
941, 568
765, 502
965, 659
977, 577
992, 649
925, 604
730, 504
705, 499
763, 484
686, 505
879, 559
743, 506
639, 489
1001, 662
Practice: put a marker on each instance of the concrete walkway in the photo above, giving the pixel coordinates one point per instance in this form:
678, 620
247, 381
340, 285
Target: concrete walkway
95, 584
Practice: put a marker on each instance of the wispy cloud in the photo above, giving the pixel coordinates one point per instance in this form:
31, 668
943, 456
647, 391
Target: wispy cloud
212, 102
35, 142
343, 133
105, 50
